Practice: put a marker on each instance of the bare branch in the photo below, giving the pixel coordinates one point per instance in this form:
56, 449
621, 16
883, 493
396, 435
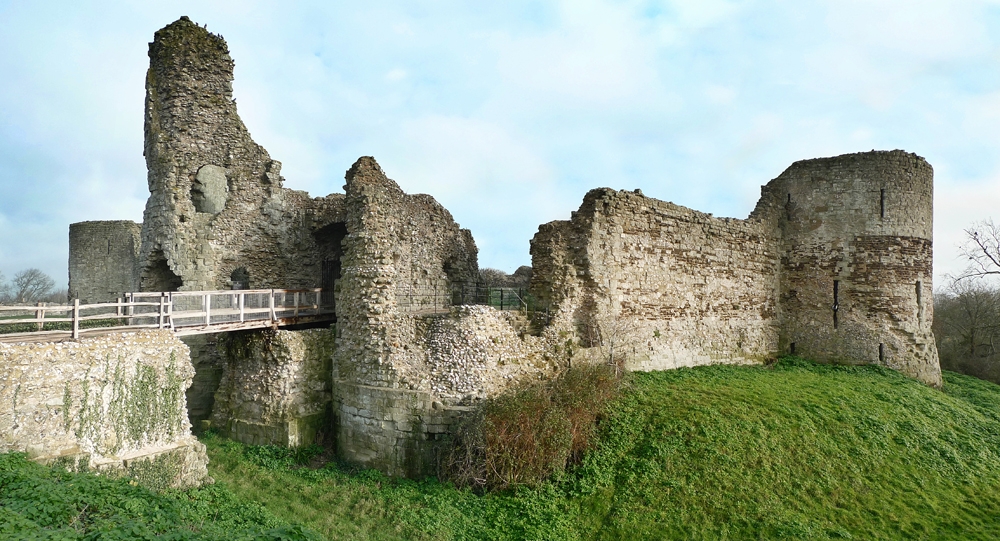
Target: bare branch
982, 247
29, 286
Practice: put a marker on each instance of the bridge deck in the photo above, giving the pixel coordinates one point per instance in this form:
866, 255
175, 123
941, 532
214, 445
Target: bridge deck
184, 313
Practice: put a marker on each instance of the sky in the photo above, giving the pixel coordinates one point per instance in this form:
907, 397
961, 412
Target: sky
509, 112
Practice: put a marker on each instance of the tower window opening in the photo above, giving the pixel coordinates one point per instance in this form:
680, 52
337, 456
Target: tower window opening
881, 353
920, 299
792, 348
836, 301
881, 203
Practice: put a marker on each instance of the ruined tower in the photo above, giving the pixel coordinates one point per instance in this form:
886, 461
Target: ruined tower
217, 213
856, 258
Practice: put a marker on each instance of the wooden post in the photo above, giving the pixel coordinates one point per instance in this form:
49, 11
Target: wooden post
170, 310
40, 314
76, 319
160, 317
242, 304
270, 302
208, 308
295, 298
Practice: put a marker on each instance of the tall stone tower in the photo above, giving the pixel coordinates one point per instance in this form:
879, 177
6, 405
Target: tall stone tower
856, 263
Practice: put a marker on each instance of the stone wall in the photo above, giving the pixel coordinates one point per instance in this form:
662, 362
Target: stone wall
685, 287
275, 387
833, 264
113, 404
103, 260
442, 365
208, 368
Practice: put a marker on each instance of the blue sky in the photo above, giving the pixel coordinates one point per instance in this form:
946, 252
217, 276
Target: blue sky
509, 112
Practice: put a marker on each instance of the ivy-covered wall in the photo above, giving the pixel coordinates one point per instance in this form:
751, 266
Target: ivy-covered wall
113, 403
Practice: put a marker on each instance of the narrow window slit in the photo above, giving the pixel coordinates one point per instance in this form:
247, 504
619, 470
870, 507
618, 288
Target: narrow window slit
881, 353
881, 203
920, 303
793, 348
836, 302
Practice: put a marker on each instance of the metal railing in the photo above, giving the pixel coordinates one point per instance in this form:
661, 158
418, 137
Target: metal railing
435, 298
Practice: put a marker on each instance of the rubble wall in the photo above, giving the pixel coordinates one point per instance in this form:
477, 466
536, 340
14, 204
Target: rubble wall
445, 363
834, 264
112, 404
103, 260
275, 387
401, 255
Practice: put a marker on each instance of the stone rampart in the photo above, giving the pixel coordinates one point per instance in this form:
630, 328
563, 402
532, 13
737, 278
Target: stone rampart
217, 209
834, 264
856, 263
686, 288
113, 404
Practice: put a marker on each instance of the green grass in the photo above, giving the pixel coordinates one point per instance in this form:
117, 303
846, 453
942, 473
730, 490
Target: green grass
792, 451
796, 450
48, 503
9, 328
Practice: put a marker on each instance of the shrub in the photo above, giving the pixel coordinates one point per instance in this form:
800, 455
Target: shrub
526, 436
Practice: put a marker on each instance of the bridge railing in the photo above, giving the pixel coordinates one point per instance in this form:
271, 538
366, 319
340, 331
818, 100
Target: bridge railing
177, 311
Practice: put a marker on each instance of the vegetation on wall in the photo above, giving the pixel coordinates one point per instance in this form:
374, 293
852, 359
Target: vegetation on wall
526, 436
141, 408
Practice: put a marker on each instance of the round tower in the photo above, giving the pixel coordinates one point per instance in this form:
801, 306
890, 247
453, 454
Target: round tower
856, 265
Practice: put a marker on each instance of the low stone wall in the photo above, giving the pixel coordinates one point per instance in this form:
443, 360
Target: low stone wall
275, 387
113, 404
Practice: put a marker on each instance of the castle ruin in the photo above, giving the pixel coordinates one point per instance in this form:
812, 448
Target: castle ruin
833, 264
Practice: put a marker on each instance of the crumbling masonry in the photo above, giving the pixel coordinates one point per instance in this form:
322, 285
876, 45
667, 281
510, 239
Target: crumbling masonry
833, 264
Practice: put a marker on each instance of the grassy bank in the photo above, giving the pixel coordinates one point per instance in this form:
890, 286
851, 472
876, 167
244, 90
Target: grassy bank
796, 450
792, 451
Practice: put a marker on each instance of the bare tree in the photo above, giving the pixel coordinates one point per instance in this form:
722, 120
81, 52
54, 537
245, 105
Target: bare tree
982, 247
614, 339
967, 328
58, 296
29, 286
522, 276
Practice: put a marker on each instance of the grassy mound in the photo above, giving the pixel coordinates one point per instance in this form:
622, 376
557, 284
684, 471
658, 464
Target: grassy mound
795, 450
791, 451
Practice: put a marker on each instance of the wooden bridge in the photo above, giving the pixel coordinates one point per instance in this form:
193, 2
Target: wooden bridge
183, 312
